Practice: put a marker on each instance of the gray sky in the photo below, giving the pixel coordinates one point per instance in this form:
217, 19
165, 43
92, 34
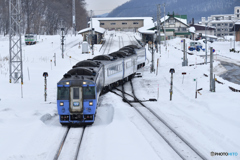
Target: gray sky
103, 6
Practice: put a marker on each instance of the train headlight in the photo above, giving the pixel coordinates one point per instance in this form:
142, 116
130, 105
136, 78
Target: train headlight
67, 83
84, 82
90, 103
61, 103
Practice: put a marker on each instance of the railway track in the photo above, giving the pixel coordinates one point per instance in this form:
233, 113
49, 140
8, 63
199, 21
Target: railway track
121, 44
106, 49
70, 145
132, 40
180, 145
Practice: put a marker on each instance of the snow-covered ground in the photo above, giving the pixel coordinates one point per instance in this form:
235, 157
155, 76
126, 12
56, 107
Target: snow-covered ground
29, 127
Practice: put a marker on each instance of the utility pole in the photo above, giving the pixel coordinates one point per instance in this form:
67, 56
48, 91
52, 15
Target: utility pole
74, 17
92, 36
15, 47
151, 49
164, 4
159, 26
205, 44
185, 60
62, 41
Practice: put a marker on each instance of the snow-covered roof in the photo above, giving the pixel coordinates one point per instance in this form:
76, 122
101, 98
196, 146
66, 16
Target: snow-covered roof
222, 21
145, 29
146, 20
203, 26
96, 29
184, 21
192, 29
96, 25
210, 36
238, 22
229, 37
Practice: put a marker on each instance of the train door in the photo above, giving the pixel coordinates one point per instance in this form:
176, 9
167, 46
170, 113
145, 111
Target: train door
76, 103
134, 65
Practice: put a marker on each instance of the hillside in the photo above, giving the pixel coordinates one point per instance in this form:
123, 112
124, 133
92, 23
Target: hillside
191, 8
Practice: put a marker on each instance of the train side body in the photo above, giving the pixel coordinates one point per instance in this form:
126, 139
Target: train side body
80, 88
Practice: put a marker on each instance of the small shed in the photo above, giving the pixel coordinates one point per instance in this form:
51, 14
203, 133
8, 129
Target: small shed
98, 34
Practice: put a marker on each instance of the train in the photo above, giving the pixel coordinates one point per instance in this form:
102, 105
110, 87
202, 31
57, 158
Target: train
79, 89
30, 39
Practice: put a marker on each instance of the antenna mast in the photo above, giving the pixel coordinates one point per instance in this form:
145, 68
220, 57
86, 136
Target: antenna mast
15, 47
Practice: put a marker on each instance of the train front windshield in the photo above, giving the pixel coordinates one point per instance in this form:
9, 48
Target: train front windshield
89, 92
63, 93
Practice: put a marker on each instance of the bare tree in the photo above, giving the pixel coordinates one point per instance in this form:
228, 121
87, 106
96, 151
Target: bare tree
45, 16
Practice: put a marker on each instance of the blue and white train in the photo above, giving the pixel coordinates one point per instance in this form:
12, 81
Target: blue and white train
79, 89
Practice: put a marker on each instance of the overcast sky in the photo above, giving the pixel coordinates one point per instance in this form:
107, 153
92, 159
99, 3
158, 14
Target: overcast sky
103, 6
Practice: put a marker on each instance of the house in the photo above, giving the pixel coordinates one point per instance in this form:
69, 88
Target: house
171, 26
201, 30
98, 32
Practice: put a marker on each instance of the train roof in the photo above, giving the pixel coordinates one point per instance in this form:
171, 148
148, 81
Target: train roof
87, 63
81, 73
120, 54
127, 49
103, 57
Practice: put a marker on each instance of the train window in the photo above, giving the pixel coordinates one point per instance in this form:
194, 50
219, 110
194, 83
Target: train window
129, 64
89, 92
63, 93
75, 93
114, 69
135, 22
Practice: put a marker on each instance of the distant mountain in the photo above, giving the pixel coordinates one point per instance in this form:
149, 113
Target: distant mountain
102, 15
192, 8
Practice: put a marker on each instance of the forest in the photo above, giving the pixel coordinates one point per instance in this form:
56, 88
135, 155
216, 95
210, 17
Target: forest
45, 16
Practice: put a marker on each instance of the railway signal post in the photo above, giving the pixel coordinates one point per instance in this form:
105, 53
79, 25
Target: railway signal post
212, 80
183, 73
45, 75
171, 84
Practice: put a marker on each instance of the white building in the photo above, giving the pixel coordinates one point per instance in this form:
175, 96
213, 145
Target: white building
223, 22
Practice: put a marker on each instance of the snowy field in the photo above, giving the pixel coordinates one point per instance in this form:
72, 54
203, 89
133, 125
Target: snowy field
30, 129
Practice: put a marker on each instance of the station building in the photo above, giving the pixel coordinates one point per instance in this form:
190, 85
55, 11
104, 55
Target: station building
100, 25
171, 26
124, 23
